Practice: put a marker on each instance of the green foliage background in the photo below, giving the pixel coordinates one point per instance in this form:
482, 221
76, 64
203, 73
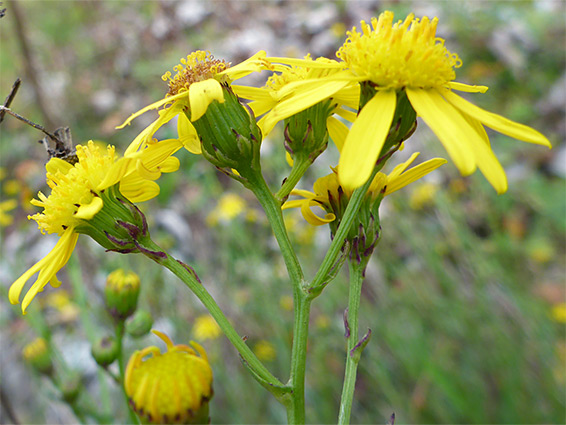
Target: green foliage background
459, 293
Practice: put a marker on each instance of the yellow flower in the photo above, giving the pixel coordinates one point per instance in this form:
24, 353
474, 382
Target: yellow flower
327, 189
5, 207
422, 195
392, 60
205, 327
229, 207
38, 355
79, 193
198, 82
559, 312
265, 351
271, 99
173, 387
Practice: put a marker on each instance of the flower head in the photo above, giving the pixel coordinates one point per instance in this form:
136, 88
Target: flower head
170, 387
200, 80
88, 197
333, 198
205, 327
391, 60
38, 355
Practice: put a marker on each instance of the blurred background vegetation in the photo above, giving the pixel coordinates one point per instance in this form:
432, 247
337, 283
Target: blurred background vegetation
465, 294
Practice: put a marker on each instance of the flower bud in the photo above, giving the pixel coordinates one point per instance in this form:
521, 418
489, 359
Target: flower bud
121, 291
306, 133
71, 386
105, 351
139, 324
170, 387
38, 355
229, 134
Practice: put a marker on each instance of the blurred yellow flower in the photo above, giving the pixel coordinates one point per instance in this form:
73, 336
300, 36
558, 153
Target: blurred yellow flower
170, 387
422, 195
286, 302
5, 207
264, 350
559, 312
229, 207
205, 327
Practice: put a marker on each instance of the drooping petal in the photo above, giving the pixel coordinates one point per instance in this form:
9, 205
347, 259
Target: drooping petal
497, 122
165, 115
188, 135
294, 203
155, 105
48, 266
365, 140
448, 125
338, 131
202, 94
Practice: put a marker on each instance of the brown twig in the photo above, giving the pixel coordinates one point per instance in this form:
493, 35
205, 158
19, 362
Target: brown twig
10, 98
29, 63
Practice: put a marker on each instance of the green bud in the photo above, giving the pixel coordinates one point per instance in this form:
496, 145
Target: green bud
229, 135
121, 291
105, 351
38, 356
306, 133
139, 324
71, 386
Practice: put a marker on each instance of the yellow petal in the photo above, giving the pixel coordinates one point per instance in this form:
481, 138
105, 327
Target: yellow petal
52, 262
118, 170
365, 140
165, 115
467, 88
188, 135
306, 63
300, 100
156, 154
147, 173
338, 131
311, 217
497, 122
57, 164
253, 64
88, 211
397, 182
154, 105
202, 94
295, 203
137, 189
448, 125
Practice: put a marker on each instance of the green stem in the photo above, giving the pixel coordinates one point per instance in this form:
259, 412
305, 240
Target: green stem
319, 280
272, 209
296, 407
295, 401
300, 166
188, 278
81, 298
119, 328
354, 353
